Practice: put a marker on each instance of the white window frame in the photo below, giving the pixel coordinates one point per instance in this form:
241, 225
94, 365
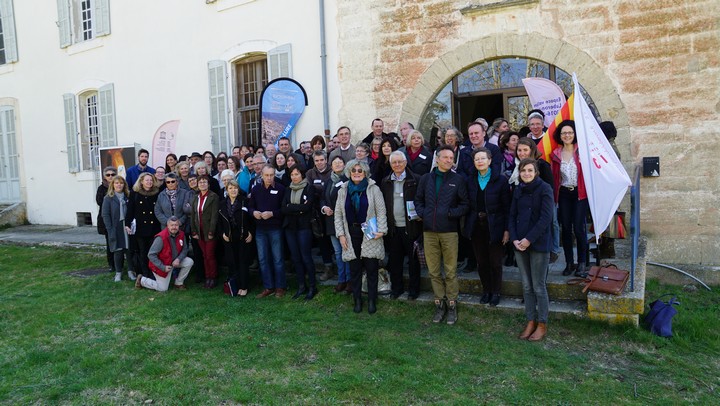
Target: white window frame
8, 47
89, 129
82, 20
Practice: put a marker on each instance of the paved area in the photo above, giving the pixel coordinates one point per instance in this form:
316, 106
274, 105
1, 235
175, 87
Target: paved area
53, 235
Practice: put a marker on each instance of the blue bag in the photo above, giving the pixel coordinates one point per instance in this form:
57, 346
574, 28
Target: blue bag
659, 318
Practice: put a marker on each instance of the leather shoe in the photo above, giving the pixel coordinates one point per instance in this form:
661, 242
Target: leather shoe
181, 287
372, 306
395, 295
311, 294
485, 299
539, 332
340, 287
581, 272
413, 296
358, 305
279, 292
265, 293
299, 293
568, 270
495, 299
529, 329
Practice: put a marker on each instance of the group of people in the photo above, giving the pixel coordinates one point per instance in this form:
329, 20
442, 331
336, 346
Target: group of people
389, 198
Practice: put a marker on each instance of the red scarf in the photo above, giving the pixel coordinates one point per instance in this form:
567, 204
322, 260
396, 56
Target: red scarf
413, 155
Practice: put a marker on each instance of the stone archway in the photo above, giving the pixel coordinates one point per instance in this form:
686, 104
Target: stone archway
553, 51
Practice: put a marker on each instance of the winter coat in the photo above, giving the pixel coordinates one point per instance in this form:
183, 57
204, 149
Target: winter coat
99, 196
466, 166
163, 208
376, 208
141, 208
298, 216
268, 199
422, 164
117, 236
413, 228
241, 224
497, 206
531, 213
441, 211
209, 216
329, 198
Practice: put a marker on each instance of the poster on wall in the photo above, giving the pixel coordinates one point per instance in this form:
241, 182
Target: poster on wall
282, 102
164, 142
121, 157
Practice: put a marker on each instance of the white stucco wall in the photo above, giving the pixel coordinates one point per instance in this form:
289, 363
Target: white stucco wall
156, 56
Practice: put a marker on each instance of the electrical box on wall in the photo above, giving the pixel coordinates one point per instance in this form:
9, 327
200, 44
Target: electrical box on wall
651, 166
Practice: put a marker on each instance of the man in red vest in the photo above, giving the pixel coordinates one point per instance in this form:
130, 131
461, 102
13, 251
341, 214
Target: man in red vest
168, 252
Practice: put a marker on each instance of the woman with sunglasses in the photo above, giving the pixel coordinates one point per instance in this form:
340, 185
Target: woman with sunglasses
173, 201
108, 173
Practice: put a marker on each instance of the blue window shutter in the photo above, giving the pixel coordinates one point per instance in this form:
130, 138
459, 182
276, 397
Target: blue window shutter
101, 17
63, 23
8, 30
279, 62
71, 134
106, 116
218, 105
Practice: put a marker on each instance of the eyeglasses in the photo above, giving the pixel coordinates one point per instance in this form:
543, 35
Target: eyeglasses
356, 170
170, 181
567, 133
109, 175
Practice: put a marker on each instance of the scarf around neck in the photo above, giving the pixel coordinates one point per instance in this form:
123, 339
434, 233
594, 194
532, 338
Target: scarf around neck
296, 191
355, 190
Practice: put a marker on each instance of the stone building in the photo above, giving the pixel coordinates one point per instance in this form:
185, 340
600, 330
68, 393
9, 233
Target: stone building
651, 66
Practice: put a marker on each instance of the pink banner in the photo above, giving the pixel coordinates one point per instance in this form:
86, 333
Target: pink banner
164, 142
545, 95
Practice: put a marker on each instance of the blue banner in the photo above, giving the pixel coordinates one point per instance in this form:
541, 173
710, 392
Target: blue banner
282, 102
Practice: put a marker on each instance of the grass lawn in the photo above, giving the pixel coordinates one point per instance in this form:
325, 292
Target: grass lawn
71, 340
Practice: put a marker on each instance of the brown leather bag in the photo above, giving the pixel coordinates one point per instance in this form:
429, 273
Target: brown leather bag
607, 279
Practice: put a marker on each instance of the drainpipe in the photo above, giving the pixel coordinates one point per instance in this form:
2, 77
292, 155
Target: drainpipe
323, 65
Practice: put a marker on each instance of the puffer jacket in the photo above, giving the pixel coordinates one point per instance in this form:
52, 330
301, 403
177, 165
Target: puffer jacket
531, 214
376, 208
441, 211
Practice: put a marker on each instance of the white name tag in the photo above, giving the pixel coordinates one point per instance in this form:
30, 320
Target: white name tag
422, 156
402, 194
317, 181
273, 192
338, 184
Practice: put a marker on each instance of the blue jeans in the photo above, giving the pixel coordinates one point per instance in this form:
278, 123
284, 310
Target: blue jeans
300, 245
343, 267
533, 267
270, 249
555, 231
572, 213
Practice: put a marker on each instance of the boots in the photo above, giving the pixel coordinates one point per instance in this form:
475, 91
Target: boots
372, 306
439, 311
358, 305
452, 313
327, 274
539, 333
311, 293
529, 329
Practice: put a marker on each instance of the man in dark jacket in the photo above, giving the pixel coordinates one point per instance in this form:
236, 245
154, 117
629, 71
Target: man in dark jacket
398, 189
441, 201
476, 135
378, 127
318, 176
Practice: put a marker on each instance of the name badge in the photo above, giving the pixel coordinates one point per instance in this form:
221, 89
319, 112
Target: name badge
422, 156
338, 184
402, 194
317, 181
273, 192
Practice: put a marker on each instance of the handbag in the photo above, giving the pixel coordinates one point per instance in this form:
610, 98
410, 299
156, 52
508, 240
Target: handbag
384, 287
616, 228
317, 226
607, 279
659, 318
419, 251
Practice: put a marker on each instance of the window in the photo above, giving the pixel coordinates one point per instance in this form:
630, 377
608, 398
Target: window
82, 20
251, 79
95, 110
8, 45
492, 89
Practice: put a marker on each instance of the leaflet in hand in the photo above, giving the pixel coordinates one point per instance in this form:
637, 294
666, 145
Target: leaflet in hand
369, 228
412, 214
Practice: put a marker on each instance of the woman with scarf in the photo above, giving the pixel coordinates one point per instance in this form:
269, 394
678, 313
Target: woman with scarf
108, 173
141, 210
114, 212
381, 167
278, 162
508, 145
418, 155
360, 201
203, 224
296, 208
237, 233
327, 205
293, 160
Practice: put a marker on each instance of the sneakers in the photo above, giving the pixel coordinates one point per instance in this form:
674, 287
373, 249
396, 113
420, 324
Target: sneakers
132, 275
118, 276
439, 311
452, 313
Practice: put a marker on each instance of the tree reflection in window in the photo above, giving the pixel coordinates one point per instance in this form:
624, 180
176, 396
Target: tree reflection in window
501, 74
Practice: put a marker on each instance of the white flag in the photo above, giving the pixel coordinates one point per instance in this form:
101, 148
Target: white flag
545, 95
606, 180
164, 142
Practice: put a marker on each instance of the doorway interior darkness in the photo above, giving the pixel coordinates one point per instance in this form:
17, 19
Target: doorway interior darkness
489, 90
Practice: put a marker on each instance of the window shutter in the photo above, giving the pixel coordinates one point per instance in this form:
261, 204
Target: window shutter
218, 105
106, 116
71, 134
63, 23
8, 30
101, 17
280, 62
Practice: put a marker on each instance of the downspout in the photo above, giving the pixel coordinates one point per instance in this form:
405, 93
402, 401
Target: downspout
323, 65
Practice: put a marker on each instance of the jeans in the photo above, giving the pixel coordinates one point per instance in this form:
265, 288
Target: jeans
572, 213
533, 267
300, 244
555, 231
343, 267
270, 249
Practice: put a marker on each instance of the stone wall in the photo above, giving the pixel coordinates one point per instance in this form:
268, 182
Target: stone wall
652, 66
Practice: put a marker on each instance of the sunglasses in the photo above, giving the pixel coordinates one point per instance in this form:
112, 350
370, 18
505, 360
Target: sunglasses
109, 175
356, 170
170, 181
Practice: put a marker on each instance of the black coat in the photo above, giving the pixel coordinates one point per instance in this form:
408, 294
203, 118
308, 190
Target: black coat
141, 208
297, 216
466, 166
422, 164
329, 198
413, 228
497, 206
99, 196
441, 211
531, 214
241, 223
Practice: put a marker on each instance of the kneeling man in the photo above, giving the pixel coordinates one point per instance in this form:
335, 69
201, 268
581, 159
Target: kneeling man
168, 252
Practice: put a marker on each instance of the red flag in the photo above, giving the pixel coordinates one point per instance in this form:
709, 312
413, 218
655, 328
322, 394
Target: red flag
547, 143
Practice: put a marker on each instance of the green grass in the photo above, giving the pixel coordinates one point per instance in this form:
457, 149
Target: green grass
71, 340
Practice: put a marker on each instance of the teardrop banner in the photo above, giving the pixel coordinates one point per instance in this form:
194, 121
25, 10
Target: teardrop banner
282, 102
164, 142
